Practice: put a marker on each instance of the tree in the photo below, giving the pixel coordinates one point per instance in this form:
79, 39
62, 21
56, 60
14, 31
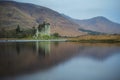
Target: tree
56, 35
18, 29
40, 26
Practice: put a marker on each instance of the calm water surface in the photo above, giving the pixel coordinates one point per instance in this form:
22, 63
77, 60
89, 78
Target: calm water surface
59, 61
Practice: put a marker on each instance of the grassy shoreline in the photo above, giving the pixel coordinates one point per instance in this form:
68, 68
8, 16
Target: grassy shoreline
82, 39
96, 39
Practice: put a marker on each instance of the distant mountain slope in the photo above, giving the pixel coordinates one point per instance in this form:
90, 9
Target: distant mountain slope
99, 24
29, 15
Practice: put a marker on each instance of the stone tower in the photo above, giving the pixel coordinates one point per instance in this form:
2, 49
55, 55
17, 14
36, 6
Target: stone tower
43, 29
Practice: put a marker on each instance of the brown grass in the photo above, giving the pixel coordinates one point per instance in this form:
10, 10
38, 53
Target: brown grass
96, 38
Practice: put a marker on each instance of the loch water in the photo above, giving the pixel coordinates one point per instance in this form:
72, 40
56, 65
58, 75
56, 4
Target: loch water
59, 61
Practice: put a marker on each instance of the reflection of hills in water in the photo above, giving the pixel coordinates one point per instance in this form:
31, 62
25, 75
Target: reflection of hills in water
18, 58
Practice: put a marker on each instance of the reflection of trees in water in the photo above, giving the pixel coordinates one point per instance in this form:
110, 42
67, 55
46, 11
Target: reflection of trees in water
18, 48
34, 47
39, 48
43, 48
41, 52
20, 56
56, 43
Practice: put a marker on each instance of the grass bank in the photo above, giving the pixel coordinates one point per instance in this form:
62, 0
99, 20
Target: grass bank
96, 38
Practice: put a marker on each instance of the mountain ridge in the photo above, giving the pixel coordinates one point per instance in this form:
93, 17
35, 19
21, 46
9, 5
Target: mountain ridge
100, 24
29, 15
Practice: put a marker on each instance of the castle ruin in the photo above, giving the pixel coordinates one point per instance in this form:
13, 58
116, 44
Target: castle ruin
42, 30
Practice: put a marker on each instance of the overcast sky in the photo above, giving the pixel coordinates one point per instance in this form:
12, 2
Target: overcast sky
83, 9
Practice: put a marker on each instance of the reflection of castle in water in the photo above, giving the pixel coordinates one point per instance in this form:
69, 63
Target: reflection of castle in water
42, 48
39, 48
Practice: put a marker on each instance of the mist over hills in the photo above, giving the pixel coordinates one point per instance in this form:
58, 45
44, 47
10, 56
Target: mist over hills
29, 15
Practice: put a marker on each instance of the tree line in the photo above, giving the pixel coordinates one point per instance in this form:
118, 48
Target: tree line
18, 32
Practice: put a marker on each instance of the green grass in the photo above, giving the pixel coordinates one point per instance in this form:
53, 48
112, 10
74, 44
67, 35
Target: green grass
83, 39
44, 37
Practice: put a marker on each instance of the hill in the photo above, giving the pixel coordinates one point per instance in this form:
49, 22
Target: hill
30, 15
99, 24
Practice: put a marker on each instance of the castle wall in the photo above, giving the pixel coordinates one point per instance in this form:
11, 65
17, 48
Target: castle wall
45, 30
